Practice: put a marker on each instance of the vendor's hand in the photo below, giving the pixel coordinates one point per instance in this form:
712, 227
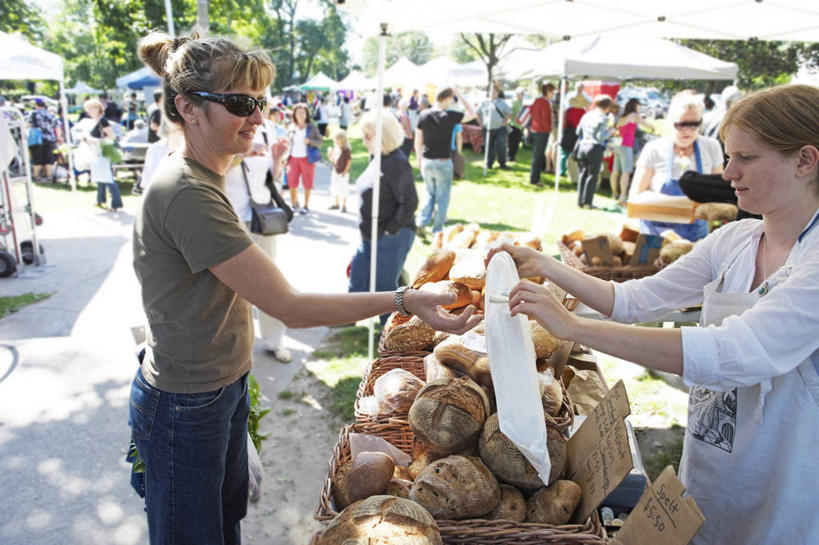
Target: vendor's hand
279, 148
528, 260
427, 306
539, 303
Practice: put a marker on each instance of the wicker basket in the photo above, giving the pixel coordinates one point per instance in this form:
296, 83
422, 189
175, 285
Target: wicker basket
414, 363
618, 274
466, 532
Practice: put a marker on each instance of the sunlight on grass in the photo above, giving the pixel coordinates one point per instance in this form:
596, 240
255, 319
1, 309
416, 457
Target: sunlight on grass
16, 302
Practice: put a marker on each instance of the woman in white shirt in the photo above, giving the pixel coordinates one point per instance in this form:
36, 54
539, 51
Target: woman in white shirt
749, 455
663, 161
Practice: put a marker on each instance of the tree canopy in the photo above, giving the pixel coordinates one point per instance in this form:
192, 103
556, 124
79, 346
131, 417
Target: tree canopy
416, 46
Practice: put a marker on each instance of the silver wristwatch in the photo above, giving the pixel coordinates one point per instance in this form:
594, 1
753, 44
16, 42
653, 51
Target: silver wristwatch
399, 301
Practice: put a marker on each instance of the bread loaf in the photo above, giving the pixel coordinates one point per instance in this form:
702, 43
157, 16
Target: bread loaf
551, 393
451, 231
467, 354
573, 236
434, 369
615, 244
408, 337
528, 239
512, 505
545, 342
671, 252
422, 456
469, 269
436, 267
382, 520
554, 504
456, 487
402, 472
396, 389
627, 234
466, 237
463, 295
716, 211
366, 475
484, 239
398, 487
510, 465
448, 414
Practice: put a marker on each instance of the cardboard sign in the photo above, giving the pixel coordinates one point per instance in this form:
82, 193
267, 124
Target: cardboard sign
598, 454
598, 247
647, 249
662, 515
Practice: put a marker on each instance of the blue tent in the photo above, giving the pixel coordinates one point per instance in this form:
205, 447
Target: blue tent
144, 77
145, 81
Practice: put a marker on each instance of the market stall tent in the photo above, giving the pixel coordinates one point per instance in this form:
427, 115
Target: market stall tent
319, 82
621, 57
82, 88
403, 73
355, 81
143, 75
19, 60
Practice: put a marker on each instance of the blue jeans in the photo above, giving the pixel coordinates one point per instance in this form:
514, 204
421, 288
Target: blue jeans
392, 251
116, 197
437, 174
195, 452
496, 147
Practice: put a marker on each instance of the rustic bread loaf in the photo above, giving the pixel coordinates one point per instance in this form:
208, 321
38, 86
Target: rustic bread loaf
512, 505
554, 504
545, 342
627, 234
484, 239
382, 520
448, 414
410, 336
672, 251
573, 236
365, 475
456, 487
469, 269
463, 295
436, 267
551, 393
422, 456
467, 354
396, 389
398, 487
510, 465
716, 211
466, 237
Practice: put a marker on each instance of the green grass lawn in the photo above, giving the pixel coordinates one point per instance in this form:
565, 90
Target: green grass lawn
16, 302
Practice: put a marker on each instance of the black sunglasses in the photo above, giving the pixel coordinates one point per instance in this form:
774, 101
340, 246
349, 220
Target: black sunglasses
680, 125
235, 103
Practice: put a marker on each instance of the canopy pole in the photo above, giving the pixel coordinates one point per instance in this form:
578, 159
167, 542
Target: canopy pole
64, 105
379, 112
169, 17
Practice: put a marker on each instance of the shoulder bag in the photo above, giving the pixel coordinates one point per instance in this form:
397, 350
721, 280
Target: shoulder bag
265, 219
313, 153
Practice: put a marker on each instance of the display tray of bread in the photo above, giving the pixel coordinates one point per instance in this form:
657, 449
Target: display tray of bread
609, 256
467, 501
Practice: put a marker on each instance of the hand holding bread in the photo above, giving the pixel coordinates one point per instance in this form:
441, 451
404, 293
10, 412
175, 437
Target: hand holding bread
540, 304
530, 262
429, 308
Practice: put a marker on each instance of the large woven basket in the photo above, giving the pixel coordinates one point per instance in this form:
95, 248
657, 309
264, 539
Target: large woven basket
466, 532
618, 274
414, 363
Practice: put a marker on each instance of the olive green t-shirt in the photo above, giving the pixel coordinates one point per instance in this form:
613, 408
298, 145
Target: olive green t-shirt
200, 334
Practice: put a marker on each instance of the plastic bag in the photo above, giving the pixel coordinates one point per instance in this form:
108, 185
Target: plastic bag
512, 364
362, 442
254, 470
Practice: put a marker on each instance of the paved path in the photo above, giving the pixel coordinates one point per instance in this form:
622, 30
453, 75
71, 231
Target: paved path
66, 366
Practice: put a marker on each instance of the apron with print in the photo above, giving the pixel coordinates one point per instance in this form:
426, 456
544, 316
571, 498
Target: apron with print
744, 449
689, 231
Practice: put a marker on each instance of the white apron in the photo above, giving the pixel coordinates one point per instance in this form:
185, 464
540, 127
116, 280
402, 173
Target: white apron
751, 454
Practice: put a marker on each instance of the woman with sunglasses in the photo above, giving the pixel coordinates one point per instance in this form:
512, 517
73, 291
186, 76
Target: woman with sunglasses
200, 273
663, 161
303, 135
749, 456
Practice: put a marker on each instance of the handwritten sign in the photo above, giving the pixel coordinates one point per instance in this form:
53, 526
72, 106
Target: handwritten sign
662, 515
598, 454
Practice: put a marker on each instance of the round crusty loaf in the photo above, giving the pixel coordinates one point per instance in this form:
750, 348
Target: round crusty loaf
551, 393
396, 389
512, 505
411, 336
456, 487
554, 504
382, 520
365, 475
510, 465
545, 342
448, 414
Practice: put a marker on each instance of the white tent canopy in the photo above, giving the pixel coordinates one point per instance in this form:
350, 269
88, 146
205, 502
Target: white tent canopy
404, 73
21, 60
82, 88
355, 81
319, 81
621, 57
707, 19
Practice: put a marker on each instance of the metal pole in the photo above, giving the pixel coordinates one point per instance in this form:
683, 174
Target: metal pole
202, 18
169, 18
64, 103
379, 112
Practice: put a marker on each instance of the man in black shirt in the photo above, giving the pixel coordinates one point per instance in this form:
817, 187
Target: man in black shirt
155, 117
111, 110
433, 147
